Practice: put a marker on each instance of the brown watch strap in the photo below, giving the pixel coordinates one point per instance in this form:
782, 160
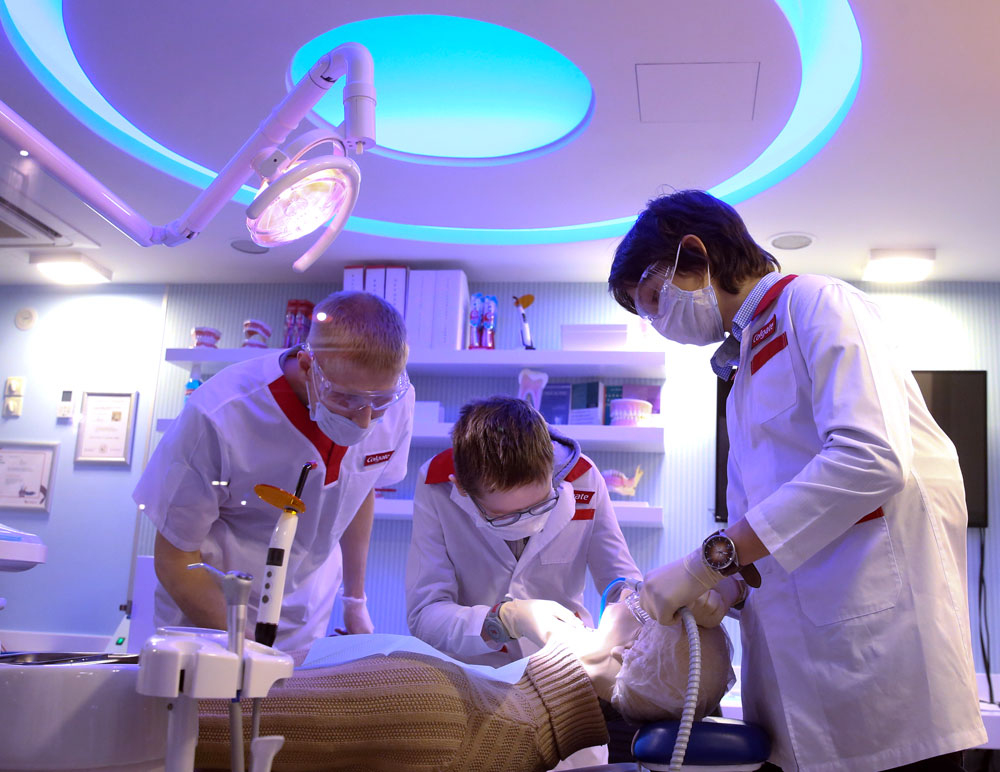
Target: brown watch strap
750, 575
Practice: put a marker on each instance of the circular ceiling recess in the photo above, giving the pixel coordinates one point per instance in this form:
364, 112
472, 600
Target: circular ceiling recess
458, 91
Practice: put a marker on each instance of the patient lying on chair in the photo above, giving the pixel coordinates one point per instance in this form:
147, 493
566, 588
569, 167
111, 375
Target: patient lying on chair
405, 712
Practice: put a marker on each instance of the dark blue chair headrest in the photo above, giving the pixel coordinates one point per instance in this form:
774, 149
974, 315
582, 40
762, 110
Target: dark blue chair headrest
713, 741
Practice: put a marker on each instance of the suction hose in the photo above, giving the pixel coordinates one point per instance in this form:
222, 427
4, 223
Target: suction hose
691, 696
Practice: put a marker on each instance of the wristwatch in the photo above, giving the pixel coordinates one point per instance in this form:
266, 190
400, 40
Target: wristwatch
494, 632
719, 553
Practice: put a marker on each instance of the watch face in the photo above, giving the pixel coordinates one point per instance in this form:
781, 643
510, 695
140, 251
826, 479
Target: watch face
719, 552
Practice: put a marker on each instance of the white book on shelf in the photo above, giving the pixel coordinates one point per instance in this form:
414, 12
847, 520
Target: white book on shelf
395, 287
419, 308
375, 280
451, 310
354, 278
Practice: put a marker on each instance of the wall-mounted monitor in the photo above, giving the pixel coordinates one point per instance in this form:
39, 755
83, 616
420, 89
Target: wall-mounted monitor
956, 400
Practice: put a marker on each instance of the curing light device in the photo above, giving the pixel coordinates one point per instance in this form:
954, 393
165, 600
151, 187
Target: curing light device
298, 194
278, 553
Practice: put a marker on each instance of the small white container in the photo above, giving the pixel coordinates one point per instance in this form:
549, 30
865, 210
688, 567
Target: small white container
594, 337
630, 412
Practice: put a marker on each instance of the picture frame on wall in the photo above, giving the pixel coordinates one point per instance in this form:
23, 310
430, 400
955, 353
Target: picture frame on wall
27, 473
107, 427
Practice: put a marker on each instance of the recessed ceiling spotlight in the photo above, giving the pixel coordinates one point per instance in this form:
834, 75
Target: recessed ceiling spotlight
899, 265
791, 240
23, 153
246, 245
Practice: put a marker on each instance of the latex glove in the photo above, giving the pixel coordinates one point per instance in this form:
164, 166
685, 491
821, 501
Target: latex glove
681, 583
356, 619
711, 608
536, 620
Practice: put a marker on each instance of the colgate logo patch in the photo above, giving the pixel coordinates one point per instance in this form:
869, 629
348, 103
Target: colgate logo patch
378, 458
583, 497
764, 332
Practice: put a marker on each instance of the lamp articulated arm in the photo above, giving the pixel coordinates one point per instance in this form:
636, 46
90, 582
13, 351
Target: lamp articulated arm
259, 153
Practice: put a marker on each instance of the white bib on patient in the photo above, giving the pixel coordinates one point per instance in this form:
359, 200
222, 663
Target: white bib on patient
340, 649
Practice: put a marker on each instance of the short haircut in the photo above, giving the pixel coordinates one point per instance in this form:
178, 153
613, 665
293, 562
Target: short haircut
733, 255
362, 328
500, 443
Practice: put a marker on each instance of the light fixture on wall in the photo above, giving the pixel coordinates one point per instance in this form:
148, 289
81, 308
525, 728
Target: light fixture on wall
898, 265
297, 195
71, 268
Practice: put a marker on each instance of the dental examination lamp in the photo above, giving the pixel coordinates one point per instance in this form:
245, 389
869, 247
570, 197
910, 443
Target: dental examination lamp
298, 194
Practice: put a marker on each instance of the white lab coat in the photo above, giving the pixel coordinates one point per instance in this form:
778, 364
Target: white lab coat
456, 571
856, 648
244, 426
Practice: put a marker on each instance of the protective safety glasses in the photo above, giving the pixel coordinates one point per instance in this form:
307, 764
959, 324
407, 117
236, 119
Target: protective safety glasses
629, 596
498, 521
652, 283
348, 400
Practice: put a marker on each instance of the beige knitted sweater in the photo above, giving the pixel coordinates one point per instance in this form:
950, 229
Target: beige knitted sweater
406, 712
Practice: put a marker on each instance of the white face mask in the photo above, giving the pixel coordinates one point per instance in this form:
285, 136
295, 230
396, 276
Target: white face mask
527, 526
341, 429
689, 316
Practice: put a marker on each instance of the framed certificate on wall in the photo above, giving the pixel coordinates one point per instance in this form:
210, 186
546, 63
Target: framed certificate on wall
107, 425
27, 470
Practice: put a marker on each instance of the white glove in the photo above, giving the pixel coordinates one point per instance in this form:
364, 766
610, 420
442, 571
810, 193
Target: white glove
536, 620
710, 609
667, 588
356, 619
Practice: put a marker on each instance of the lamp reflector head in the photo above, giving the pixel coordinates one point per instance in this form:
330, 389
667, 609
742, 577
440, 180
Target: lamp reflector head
302, 199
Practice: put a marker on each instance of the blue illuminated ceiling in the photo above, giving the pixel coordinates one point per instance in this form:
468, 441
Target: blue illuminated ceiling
825, 31
459, 91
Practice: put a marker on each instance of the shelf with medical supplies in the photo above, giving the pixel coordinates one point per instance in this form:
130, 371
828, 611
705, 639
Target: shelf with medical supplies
630, 513
637, 439
476, 362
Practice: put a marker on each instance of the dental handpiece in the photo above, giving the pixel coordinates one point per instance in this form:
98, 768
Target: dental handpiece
278, 554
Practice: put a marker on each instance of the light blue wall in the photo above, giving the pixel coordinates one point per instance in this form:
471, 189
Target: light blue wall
939, 326
101, 340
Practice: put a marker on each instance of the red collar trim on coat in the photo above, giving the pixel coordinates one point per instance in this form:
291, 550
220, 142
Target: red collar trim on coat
330, 453
442, 466
579, 469
771, 295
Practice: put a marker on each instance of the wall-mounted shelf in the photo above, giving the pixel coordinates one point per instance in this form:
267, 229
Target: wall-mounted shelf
630, 514
638, 439
475, 362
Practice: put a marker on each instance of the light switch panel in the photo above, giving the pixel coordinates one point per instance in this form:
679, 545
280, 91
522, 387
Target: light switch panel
12, 407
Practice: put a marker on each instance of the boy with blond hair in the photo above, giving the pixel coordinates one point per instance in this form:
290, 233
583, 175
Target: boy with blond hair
342, 400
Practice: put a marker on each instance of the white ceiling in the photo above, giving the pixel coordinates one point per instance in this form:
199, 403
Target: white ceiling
914, 164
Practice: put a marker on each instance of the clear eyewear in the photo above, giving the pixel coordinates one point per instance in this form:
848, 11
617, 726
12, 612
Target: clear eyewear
651, 285
352, 400
498, 521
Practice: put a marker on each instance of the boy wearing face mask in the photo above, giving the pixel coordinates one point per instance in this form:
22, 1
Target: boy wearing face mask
845, 501
342, 400
506, 525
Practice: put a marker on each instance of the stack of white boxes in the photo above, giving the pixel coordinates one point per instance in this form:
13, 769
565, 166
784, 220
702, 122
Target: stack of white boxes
435, 304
